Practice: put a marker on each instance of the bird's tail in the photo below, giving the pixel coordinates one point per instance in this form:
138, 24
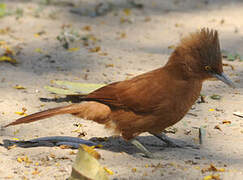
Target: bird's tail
86, 110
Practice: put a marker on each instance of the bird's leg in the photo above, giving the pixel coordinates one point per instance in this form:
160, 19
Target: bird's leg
173, 142
141, 147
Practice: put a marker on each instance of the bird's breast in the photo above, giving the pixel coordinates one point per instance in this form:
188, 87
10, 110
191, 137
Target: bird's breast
177, 104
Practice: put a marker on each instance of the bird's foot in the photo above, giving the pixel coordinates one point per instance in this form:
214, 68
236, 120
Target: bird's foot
175, 143
145, 153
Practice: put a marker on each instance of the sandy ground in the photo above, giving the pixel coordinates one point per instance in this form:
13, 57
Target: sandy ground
132, 41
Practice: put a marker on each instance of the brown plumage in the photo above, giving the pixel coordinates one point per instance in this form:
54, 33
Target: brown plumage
154, 100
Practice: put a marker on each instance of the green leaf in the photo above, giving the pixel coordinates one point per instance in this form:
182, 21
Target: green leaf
83, 88
60, 91
2, 9
73, 88
237, 56
230, 57
215, 97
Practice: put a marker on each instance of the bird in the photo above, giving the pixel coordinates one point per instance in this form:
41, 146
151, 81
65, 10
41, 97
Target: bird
155, 100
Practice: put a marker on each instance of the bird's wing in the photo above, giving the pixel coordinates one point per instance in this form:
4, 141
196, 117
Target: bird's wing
137, 94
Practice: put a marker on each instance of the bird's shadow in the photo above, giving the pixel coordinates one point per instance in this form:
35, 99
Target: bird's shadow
117, 144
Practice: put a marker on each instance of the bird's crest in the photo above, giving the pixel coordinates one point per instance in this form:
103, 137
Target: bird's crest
203, 45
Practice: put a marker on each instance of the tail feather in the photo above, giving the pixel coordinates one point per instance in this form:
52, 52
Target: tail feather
89, 110
73, 108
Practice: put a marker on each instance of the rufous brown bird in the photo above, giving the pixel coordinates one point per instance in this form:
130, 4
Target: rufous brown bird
154, 100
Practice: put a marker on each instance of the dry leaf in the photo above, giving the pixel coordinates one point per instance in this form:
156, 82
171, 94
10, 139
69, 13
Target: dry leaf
103, 54
91, 151
232, 67
72, 153
35, 172
127, 11
221, 170
109, 65
226, 122
24, 159
2, 43
222, 21
99, 146
76, 130
73, 49
211, 177
63, 146
134, 169
12, 147
8, 59
178, 25
87, 28
22, 113
147, 19
171, 130
110, 172
5, 30
39, 34
123, 35
36, 35
217, 127
95, 49
18, 87
19, 159
39, 50
123, 20
212, 168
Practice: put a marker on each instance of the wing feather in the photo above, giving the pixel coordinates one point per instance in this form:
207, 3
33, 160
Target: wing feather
137, 94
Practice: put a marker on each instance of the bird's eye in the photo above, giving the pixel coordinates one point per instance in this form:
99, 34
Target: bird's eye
208, 68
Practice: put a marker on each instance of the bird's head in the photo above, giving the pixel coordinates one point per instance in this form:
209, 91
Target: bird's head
200, 55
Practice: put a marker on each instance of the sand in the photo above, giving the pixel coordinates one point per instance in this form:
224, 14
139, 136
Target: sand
131, 41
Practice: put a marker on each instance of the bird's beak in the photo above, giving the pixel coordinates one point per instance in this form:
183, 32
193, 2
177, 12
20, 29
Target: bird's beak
225, 79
